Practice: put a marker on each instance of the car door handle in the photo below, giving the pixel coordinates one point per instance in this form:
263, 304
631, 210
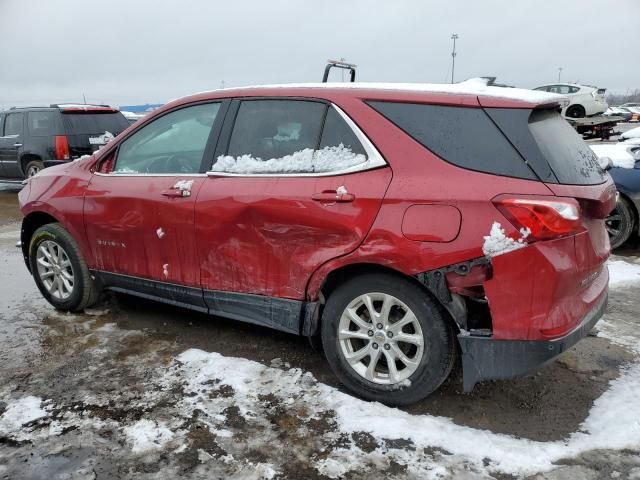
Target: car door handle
331, 196
175, 193
17, 144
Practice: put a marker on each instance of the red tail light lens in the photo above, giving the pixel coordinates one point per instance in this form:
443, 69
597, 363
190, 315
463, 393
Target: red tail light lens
62, 148
544, 218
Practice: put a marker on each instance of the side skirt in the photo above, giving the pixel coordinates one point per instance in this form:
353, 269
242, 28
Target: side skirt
279, 313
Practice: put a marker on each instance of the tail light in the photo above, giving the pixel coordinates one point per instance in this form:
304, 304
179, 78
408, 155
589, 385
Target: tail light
62, 148
544, 218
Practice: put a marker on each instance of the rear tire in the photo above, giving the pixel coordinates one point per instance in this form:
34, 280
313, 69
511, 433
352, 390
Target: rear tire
620, 223
32, 168
60, 272
576, 111
351, 342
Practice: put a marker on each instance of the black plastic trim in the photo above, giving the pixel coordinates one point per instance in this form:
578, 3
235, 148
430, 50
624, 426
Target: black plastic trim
485, 358
291, 316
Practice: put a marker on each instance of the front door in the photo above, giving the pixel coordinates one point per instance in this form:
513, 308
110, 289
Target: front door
295, 187
139, 206
11, 144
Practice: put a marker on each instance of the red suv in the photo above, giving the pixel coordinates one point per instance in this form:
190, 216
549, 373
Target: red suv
403, 224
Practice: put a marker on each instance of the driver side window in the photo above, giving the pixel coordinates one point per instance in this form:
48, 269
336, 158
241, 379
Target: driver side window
174, 143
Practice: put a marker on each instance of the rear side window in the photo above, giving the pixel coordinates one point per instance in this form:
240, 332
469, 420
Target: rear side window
463, 136
287, 137
81, 123
42, 124
569, 157
13, 124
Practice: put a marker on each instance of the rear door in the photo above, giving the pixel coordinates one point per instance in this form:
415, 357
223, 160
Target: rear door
11, 143
89, 128
294, 184
139, 208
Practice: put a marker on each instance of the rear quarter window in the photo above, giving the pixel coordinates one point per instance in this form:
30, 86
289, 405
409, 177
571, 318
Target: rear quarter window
463, 136
43, 124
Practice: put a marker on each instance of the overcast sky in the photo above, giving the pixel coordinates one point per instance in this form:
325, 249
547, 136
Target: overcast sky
137, 51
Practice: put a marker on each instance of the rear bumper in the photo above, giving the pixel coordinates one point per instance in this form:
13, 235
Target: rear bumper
485, 358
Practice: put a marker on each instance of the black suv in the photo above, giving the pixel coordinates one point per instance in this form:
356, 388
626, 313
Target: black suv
36, 137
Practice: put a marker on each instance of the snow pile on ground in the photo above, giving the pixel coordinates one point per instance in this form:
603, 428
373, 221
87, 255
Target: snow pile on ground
308, 160
497, 243
621, 154
146, 435
19, 413
621, 272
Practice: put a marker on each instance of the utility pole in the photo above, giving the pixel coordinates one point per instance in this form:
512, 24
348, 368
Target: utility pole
559, 73
453, 55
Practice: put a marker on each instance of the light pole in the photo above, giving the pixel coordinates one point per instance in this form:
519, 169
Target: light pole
559, 73
453, 55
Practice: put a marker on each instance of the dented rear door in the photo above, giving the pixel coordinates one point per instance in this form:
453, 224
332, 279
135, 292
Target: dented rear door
267, 235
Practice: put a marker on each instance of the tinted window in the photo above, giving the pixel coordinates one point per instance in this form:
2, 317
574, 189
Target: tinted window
463, 136
80, 123
42, 124
284, 136
13, 125
267, 129
173, 143
336, 132
570, 158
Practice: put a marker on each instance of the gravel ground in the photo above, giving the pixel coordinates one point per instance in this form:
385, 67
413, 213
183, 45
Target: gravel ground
133, 389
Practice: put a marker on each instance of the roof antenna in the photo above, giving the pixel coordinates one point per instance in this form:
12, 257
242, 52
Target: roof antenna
84, 98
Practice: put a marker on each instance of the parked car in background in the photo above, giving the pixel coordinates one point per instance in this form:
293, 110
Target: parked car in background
629, 134
32, 138
632, 105
400, 223
584, 100
625, 171
618, 112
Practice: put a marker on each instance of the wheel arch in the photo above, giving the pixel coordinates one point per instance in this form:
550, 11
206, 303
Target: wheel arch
30, 224
341, 274
634, 211
25, 159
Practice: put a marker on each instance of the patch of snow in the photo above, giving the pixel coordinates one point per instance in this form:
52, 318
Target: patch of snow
621, 154
308, 160
497, 243
97, 312
165, 270
342, 190
147, 435
610, 424
25, 410
183, 185
160, 232
622, 272
472, 86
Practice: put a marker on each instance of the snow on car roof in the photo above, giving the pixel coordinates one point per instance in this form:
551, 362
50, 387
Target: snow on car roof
473, 86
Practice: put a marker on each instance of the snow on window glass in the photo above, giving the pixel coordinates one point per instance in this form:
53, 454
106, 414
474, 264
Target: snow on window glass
327, 159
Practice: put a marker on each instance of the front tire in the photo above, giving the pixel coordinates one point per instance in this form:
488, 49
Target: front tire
386, 339
620, 223
60, 272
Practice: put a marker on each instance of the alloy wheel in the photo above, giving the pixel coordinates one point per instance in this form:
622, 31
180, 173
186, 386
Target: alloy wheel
55, 270
33, 170
381, 338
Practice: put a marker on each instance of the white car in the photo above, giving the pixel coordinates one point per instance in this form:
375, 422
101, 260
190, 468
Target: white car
584, 100
633, 133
